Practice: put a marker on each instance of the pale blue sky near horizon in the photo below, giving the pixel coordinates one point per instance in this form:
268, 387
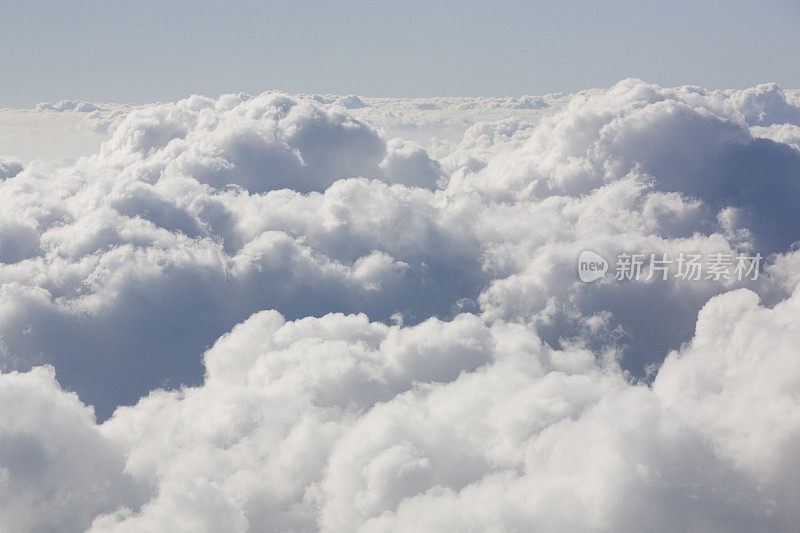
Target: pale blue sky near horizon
136, 52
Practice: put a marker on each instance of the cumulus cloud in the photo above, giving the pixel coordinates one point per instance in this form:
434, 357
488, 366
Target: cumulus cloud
57, 469
341, 424
409, 164
267, 143
307, 313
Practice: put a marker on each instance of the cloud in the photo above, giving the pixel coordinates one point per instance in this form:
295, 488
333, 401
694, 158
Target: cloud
352, 102
339, 424
67, 105
409, 164
57, 469
67, 130
393, 326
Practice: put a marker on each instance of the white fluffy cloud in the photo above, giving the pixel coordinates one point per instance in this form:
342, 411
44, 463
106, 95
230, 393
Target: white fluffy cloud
419, 353
57, 469
341, 424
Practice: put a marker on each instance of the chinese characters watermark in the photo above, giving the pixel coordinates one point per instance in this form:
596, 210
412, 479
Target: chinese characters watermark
685, 266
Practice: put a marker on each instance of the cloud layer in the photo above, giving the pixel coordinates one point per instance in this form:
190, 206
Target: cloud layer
311, 314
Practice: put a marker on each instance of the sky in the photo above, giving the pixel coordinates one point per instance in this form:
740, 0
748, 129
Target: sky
138, 52
270, 311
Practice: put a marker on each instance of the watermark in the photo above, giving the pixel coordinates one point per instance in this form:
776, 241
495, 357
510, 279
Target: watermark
591, 266
684, 266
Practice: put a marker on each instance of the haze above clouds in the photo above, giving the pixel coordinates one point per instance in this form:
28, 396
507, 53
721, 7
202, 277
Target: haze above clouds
345, 313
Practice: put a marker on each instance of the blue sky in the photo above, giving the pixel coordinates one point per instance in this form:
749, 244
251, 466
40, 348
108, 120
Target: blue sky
146, 50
